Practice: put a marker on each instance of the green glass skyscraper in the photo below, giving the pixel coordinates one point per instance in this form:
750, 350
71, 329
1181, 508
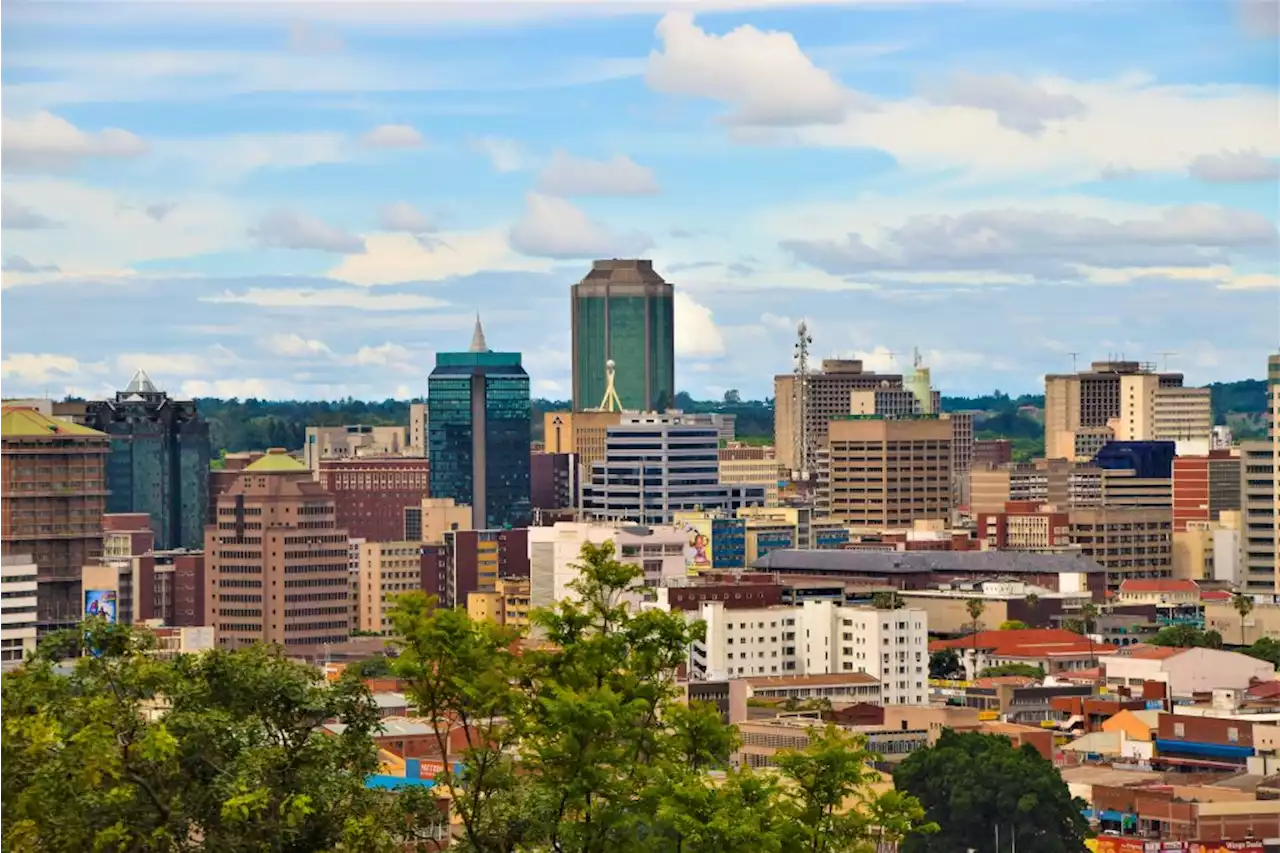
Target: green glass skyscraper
623, 311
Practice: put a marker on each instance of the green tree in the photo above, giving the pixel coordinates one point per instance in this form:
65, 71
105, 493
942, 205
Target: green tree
887, 601
1179, 636
1243, 604
971, 783
583, 744
975, 607
218, 751
945, 664
1033, 604
1013, 625
1265, 648
1024, 669
1088, 618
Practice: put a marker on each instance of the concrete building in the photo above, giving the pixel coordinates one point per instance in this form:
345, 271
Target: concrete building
159, 460
150, 586
829, 397
1204, 486
1127, 542
580, 433
432, 518
51, 505
370, 494
555, 552
947, 605
417, 429
352, 441
553, 480
474, 561
1026, 526
507, 604
725, 425
656, 465
888, 472
992, 452
1186, 671
276, 560
1260, 507
890, 402
387, 569
1054, 650
478, 434
762, 473
817, 638
18, 609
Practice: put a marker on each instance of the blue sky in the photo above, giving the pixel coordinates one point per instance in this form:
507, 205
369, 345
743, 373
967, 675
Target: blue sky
308, 200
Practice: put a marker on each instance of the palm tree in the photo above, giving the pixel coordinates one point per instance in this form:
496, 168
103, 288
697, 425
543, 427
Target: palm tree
1033, 604
1244, 606
975, 606
1088, 613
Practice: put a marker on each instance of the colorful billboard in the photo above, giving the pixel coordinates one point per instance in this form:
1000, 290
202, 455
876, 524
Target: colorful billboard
100, 603
1109, 844
697, 549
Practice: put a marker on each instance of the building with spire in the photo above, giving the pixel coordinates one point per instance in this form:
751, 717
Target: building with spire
479, 433
159, 460
623, 312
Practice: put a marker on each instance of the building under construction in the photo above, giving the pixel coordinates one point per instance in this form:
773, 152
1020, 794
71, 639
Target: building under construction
51, 507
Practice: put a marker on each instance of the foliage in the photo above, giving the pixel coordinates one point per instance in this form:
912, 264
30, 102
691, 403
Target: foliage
1013, 625
1024, 669
888, 601
1186, 637
582, 744
219, 751
1243, 605
1265, 649
969, 783
1247, 396
377, 666
945, 664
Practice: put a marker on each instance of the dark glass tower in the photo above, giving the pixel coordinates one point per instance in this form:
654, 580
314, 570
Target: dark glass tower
623, 311
478, 433
159, 460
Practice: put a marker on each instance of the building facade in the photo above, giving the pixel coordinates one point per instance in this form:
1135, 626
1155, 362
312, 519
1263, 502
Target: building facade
507, 604
433, 517
1204, 486
479, 433
1260, 509
351, 441
556, 551
18, 609
475, 560
276, 560
887, 472
387, 569
623, 311
553, 479
370, 495
159, 460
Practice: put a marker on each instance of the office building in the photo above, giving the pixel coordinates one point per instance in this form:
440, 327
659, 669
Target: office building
1204, 486
829, 391
433, 517
817, 638
662, 551
725, 425
18, 609
1026, 526
553, 480
1260, 508
763, 473
580, 433
478, 434
387, 569
51, 505
1146, 459
623, 311
351, 441
474, 561
507, 604
991, 452
276, 560
888, 472
370, 494
656, 465
159, 460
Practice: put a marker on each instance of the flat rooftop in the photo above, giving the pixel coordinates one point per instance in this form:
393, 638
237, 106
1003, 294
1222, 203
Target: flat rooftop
911, 562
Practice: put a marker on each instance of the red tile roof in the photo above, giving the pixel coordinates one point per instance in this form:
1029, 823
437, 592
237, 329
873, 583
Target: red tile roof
1027, 643
1158, 585
1142, 651
1264, 690
1082, 675
1215, 595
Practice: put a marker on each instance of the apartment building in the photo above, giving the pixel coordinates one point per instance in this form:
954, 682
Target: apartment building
18, 609
888, 472
555, 553
387, 569
431, 518
815, 638
507, 604
1260, 508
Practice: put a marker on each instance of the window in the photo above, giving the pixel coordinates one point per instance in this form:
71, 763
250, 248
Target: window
1179, 730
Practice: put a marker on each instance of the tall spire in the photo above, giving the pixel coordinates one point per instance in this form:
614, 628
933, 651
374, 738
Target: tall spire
477, 338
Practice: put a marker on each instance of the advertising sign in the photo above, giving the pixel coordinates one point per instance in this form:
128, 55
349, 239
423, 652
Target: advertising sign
1108, 844
697, 549
100, 603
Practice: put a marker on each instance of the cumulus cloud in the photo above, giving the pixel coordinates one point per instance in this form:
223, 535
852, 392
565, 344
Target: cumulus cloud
567, 175
1044, 243
393, 136
402, 216
282, 229
383, 354
346, 297
1234, 167
1018, 105
23, 218
293, 345
46, 142
40, 367
763, 77
393, 258
506, 155
553, 228
241, 389
695, 328
17, 263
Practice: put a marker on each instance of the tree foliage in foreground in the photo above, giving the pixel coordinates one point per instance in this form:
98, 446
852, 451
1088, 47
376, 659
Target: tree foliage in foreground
971, 783
584, 746
218, 751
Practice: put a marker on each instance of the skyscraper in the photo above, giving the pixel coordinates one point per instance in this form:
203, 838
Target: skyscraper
478, 433
159, 460
623, 310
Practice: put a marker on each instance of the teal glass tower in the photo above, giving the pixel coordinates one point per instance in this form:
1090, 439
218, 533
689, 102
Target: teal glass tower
478, 433
623, 311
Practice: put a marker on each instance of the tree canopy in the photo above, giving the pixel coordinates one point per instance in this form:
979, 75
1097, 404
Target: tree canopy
1024, 669
971, 783
1186, 637
945, 664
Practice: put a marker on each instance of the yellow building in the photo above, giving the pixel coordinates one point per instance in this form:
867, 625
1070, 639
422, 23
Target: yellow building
753, 472
508, 604
434, 517
582, 433
387, 569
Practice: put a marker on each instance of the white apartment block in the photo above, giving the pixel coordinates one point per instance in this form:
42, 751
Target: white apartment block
555, 553
17, 609
817, 638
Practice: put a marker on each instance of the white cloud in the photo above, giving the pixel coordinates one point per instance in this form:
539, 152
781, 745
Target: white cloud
20, 217
40, 367
392, 258
695, 328
764, 77
402, 216
1231, 167
304, 38
243, 389
386, 354
552, 227
1017, 104
230, 156
354, 298
17, 263
176, 365
506, 155
567, 175
293, 345
393, 136
45, 141
282, 229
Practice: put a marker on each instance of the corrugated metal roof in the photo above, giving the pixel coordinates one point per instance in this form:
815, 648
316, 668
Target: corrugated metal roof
275, 461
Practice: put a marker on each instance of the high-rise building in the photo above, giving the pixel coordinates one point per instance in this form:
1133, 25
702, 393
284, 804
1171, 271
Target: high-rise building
478, 433
655, 465
387, 569
276, 560
51, 505
886, 473
623, 311
18, 609
159, 461
1260, 506
829, 396
1204, 487
433, 517
474, 560
553, 480
371, 493
580, 433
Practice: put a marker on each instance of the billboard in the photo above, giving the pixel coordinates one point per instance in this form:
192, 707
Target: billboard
697, 549
101, 603
1105, 844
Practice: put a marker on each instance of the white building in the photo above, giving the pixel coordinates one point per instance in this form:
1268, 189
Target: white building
556, 551
17, 609
817, 637
1186, 671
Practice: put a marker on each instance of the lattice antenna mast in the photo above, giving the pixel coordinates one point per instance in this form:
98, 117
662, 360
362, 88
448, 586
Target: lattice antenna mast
800, 390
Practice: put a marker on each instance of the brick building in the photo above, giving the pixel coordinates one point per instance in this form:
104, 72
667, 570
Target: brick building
370, 495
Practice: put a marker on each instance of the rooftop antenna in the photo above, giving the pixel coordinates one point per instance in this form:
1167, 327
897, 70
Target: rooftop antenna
800, 400
1165, 355
1073, 355
610, 403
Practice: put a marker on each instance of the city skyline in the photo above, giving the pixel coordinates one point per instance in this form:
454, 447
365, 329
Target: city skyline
311, 203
